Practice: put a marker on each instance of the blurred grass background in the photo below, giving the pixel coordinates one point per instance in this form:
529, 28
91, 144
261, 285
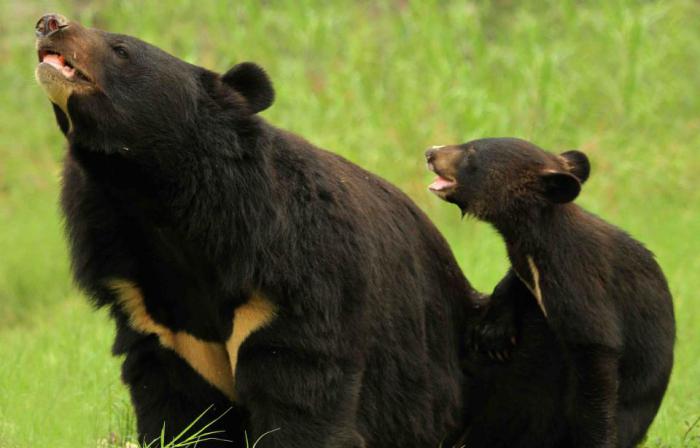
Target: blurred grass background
378, 82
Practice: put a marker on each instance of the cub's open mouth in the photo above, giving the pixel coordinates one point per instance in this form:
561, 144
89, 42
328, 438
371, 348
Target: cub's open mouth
62, 65
442, 184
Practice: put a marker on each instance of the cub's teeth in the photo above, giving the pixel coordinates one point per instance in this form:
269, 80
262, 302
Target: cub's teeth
440, 183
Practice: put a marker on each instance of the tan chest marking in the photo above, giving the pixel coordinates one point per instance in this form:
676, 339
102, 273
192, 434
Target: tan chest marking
209, 359
247, 318
535, 286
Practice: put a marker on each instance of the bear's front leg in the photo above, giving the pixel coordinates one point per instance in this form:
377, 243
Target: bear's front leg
594, 416
297, 399
169, 395
173, 376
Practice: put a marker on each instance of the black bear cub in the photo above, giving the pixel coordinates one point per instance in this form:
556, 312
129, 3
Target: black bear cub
601, 293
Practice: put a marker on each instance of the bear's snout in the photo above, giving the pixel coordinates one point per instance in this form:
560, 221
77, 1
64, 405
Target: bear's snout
49, 24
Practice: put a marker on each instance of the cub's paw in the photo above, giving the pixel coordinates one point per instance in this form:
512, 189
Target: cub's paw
495, 336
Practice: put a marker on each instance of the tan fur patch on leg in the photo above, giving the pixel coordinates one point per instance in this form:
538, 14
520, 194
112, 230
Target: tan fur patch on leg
209, 359
247, 318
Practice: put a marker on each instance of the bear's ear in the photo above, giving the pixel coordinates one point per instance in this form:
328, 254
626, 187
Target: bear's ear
560, 187
578, 164
251, 81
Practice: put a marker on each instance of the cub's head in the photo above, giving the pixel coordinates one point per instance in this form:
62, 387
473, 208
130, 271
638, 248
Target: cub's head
497, 178
111, 91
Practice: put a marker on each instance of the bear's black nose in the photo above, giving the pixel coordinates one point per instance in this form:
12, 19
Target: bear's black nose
49, 24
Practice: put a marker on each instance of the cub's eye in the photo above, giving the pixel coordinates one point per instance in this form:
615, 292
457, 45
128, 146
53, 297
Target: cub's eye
121, 51
469, 160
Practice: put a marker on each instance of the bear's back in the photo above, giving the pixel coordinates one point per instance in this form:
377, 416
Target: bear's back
417, 295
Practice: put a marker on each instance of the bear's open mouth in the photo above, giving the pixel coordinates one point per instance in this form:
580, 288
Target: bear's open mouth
63, 65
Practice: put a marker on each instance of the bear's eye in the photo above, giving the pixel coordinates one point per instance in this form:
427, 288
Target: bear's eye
120, 51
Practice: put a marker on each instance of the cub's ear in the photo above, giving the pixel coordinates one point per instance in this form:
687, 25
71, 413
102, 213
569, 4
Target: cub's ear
578, 164
251, 81
560, 187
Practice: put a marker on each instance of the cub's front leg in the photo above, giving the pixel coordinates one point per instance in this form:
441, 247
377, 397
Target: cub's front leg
594, 412
495, 333
592, 344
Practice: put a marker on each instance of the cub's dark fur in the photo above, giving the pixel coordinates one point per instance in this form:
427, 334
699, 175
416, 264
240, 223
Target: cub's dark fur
174, 187
596, 373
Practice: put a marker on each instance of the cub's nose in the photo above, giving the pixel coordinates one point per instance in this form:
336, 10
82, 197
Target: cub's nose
49, 24
430, 153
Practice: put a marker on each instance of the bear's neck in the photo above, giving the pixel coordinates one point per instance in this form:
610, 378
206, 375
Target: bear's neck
225, 186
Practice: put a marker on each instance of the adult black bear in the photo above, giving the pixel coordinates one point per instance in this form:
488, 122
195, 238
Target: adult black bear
244, 265
600, 293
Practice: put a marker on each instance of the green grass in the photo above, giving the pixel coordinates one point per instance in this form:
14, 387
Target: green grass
376, 82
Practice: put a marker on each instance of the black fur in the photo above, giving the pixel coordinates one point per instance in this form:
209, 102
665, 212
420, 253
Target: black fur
518, 403
594, 370
173, 183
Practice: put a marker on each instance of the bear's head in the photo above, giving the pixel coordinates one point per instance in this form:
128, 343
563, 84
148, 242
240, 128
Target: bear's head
112, 91
498, 178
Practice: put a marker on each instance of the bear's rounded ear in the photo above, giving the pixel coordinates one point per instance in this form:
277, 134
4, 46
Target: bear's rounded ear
578, 164
251, 81
560, 187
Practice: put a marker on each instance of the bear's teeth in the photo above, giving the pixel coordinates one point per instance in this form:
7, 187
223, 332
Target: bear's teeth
67, 71
59, 62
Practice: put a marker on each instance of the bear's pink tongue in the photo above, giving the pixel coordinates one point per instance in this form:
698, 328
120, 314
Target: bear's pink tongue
57, 61
440, 183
